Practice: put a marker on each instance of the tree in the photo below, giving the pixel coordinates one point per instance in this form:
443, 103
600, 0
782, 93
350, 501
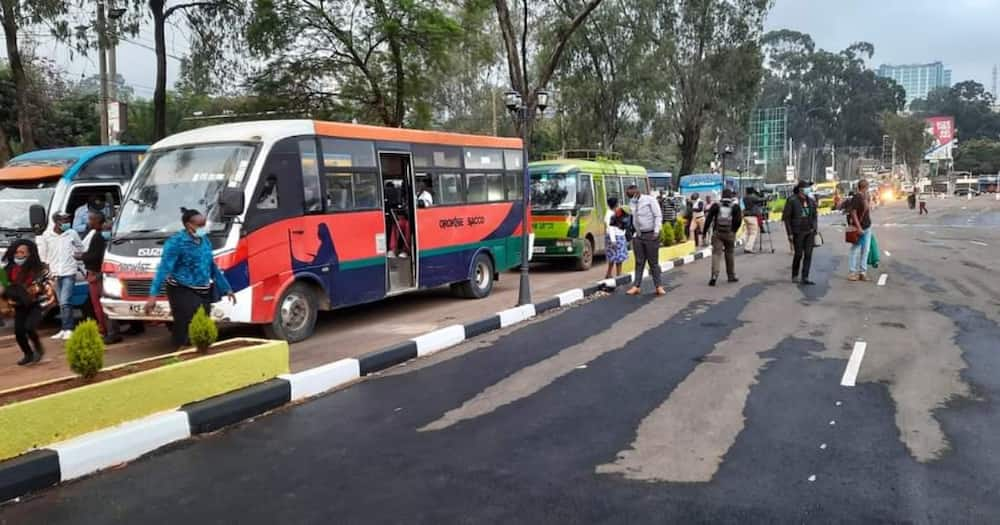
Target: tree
910, 136
971, 105
516, 50
14, 15
978, 156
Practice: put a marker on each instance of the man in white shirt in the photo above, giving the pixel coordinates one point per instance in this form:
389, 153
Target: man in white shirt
424, 198
647, 219
58, 248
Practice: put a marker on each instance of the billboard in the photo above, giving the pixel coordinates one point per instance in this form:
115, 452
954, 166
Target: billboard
943, 131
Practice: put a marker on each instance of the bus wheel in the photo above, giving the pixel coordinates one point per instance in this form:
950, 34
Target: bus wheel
481, 283
586, 259
295, 316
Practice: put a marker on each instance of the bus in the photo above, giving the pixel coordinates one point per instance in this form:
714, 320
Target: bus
568, 203
300, 218
38, 184
706, 183
661, 181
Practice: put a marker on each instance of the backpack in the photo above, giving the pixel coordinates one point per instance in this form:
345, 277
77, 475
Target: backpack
724, 221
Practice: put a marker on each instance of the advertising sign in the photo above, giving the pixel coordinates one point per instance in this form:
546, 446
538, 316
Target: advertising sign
943, 131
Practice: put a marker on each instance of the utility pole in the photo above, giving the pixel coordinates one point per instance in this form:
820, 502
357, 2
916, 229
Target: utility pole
493, 101
102, 45
113, 70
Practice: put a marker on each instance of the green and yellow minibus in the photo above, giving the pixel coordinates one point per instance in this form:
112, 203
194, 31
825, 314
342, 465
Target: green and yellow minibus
568, 203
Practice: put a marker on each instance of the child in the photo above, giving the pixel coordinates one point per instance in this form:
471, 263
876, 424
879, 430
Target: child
27, 292
616, 244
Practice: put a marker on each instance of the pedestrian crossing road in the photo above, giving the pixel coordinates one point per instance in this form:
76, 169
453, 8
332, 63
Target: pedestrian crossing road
744, 403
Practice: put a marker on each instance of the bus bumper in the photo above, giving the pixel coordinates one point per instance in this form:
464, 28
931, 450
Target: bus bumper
557, 248
135, 310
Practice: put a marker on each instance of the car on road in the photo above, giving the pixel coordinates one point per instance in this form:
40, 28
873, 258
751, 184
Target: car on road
965, 192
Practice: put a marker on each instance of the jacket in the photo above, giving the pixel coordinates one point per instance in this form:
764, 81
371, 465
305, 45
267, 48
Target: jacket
800, 217
646, 214
188, 262
58, 251
736, 216
754, 205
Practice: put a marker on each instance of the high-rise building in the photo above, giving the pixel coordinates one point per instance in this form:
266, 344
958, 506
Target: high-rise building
917, 79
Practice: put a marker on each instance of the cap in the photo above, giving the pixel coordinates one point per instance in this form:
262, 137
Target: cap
61, 216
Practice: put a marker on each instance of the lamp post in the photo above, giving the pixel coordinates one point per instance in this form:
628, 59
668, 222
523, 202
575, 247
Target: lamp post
524, 113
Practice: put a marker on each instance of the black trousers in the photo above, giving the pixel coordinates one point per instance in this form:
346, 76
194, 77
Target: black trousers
803, 244
647, 250
184, 302
26, 320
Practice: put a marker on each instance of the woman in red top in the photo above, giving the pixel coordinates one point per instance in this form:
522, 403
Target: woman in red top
27, 290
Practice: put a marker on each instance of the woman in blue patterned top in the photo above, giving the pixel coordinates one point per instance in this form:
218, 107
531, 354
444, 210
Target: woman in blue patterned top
189, 272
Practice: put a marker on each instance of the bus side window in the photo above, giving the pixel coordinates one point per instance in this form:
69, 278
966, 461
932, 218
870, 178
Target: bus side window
585, 193
313, 190
268, 198
278, 194
612, 187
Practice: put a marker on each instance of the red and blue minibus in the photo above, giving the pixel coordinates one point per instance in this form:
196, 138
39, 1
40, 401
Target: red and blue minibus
306, 216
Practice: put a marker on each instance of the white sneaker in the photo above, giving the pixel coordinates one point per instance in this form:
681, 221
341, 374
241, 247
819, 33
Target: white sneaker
62, 334
390, 255
403, 255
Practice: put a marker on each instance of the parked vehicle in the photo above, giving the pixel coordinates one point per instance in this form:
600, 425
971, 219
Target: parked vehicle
36, 185
568, 203
298, 218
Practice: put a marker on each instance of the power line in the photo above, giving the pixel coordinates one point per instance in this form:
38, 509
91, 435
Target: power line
151, 48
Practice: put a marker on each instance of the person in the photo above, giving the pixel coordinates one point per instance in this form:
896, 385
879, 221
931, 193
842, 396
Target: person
697, 219
424, 198
27, 291
616, 243
82, 213
724, 219
754, 205
92, 258
647, 221
58, 248
189, 272
688, 215
668, 208
397, 221
859, 216
801, 224
922, 197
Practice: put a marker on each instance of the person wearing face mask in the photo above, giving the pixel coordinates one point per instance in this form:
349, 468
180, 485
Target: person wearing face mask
801, 224
58, 248
189, 272
93, 258
27, 290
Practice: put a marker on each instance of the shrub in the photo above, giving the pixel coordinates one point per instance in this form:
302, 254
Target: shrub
679, 230
85, 350
667, 236
777, 206
202, 331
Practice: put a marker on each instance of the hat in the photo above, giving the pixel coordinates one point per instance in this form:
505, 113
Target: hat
802, 184
61, 217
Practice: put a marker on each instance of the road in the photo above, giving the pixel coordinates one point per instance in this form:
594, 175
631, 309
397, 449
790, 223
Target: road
723, 404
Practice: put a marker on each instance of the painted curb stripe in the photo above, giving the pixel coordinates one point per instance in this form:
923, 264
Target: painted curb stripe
217, 412
440, 339
545, 306
482, 326
608, 284
570, 296
29, 472
112, 446
515, 315
591, 290
623, 280
315, 381
382, 359
667, 266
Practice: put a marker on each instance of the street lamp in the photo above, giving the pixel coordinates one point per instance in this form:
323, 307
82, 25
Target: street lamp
524, 113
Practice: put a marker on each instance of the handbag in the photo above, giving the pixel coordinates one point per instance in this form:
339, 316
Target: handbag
852, 235
818, 240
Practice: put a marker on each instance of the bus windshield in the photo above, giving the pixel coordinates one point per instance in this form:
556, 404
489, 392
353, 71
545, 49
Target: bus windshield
189, 177
15, 200
553, 191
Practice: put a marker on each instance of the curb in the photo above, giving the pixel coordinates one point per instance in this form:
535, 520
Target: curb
96, 451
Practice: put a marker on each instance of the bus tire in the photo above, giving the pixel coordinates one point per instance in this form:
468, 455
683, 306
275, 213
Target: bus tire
586, 259
294, 315
481, 283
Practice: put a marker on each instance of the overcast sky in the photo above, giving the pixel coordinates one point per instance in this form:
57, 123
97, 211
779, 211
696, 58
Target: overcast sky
963, 34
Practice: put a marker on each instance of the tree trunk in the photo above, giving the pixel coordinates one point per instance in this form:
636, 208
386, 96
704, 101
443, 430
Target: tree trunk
690, 137
5, 153
20, 78
160, 91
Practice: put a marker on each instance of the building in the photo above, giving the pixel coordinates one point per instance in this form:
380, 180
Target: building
917, 79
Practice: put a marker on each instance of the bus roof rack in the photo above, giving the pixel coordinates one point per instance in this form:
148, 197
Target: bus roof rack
584, 154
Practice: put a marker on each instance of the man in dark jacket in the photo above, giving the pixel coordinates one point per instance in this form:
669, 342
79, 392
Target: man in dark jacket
754, 206
801, 224
726, 217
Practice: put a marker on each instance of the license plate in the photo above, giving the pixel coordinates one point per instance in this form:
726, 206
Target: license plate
538, 249
137, 308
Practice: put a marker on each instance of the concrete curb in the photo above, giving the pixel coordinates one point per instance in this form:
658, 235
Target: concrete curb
113, 446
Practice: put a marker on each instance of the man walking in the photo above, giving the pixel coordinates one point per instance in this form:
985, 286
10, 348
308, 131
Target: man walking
58, 248
801, 224
697, 220
726, 217
647, 221
668, 208
754, 205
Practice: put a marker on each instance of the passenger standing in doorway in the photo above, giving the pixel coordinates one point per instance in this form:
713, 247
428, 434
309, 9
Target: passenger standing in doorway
859, 216
27, 291
724, 219
647, 220
189, 272
95, 244
82, 213
58, 248
801, 224
398, 222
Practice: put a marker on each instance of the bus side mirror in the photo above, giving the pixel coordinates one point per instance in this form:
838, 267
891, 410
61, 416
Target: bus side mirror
37, 217
231, 203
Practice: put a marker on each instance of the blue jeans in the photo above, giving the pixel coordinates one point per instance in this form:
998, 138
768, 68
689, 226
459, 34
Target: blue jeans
858, 260
64, 291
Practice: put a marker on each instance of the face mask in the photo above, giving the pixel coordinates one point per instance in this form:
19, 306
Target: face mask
20, 260
201, 232
106, 235
65, 226
808, 192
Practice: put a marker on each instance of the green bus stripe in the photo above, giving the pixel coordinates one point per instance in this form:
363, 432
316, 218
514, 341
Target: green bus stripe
374, 261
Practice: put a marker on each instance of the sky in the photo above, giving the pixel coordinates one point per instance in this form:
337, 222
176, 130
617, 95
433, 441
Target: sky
962, 34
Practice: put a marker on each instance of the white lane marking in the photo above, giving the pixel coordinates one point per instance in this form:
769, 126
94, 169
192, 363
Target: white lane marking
979, 243
812, 478
581, 367
882, 279
832, 422
839, 403
854, 364
887, 254
823, 446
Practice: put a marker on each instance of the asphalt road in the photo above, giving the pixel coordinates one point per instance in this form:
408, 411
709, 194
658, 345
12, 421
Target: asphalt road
710, 405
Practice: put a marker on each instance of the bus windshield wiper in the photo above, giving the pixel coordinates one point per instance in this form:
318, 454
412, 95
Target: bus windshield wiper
137, 234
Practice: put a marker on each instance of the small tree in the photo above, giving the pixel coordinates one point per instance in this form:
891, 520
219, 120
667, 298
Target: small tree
85, 350
202, 331
667, 236
679, 230
909, 134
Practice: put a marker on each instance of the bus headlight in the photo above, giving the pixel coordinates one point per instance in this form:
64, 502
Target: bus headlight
112, 287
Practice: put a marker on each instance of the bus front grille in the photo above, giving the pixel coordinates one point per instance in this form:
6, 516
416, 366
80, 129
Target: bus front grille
138, 287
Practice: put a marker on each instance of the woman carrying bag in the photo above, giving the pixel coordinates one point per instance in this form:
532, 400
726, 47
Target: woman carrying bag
27, 292
858, 233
